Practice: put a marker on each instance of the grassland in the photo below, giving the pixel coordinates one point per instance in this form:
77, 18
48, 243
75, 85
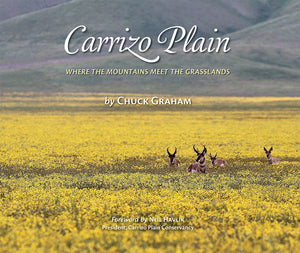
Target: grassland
68, 165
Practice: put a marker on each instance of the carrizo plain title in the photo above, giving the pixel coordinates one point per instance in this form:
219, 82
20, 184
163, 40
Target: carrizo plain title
172, 38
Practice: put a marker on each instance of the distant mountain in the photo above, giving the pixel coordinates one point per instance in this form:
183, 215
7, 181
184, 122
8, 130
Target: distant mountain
264, 59
10, 9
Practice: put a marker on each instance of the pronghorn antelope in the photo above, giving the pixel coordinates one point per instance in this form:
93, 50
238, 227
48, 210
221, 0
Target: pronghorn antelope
200, 166
217, 162
271, 159
172, 160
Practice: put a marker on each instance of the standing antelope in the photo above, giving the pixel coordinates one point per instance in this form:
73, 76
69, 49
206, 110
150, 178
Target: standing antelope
172, 160
271, 159
217, 162
200, 166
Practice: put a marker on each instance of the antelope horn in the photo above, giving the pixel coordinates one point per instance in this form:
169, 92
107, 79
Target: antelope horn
168, 151
175, 151
196, 150
204, 150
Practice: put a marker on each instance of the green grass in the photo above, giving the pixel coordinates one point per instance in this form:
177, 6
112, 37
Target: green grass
247, 76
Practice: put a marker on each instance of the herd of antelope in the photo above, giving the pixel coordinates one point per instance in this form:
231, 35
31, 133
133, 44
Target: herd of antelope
200, 165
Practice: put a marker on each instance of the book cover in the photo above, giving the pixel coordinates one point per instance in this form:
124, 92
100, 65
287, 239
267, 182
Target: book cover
149, 126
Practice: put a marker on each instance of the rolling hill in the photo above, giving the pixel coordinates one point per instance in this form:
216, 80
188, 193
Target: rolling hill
10, 9
264, 57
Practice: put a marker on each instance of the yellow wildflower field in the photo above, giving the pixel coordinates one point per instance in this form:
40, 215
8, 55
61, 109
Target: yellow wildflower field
76, 176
